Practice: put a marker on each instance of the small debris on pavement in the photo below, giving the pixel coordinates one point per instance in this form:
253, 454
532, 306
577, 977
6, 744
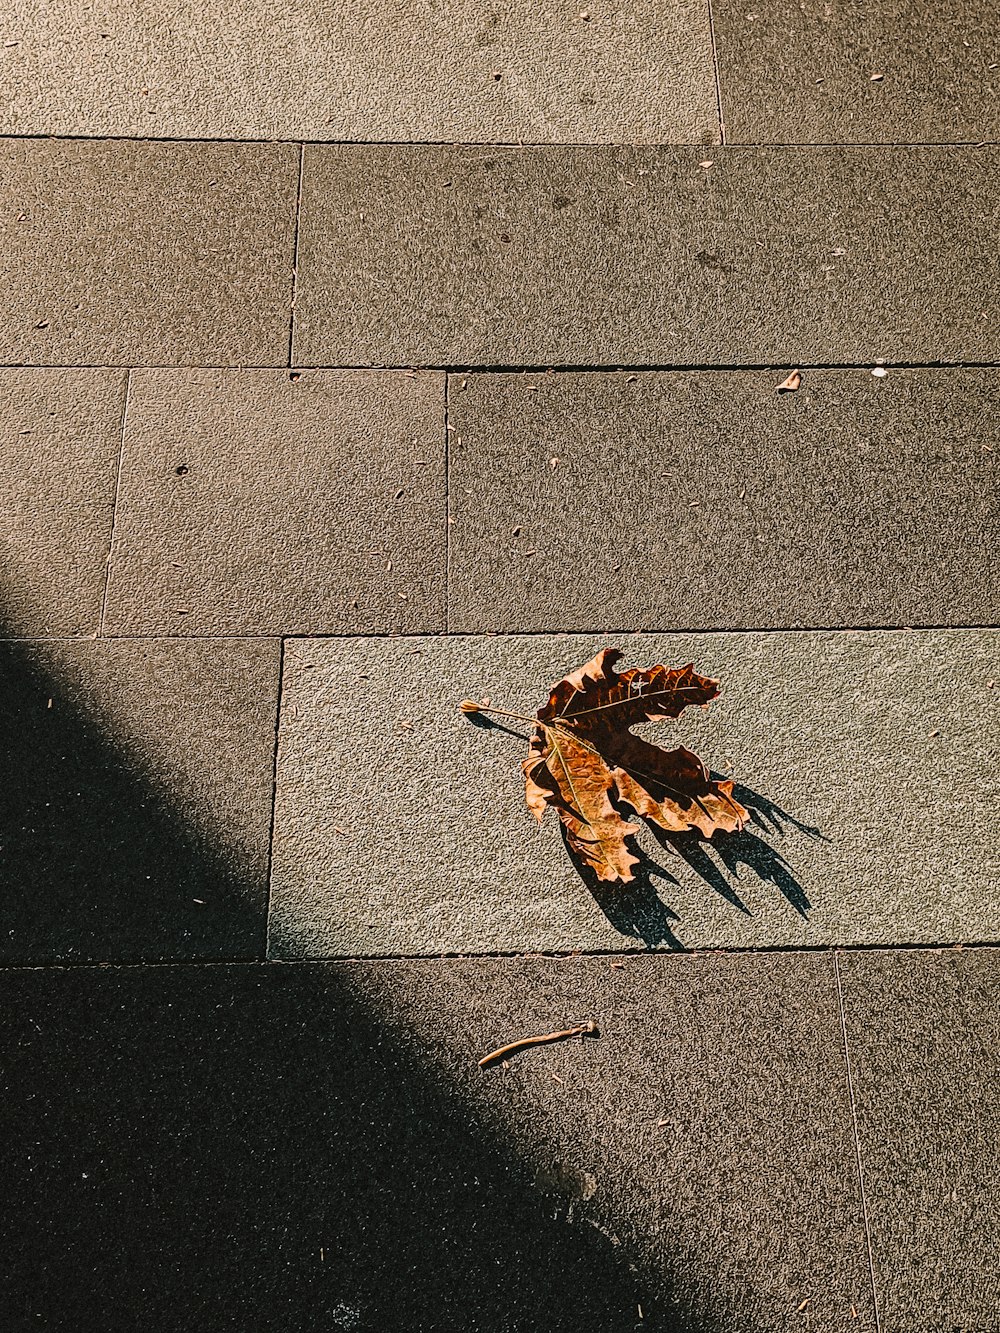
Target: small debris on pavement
800, 1308
790, 384
880, 372
502, 1052
706, 164
877, 76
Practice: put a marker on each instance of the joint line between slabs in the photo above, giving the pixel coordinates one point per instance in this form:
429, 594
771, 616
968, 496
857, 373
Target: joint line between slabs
531, 144
717, 72
295, 257
274, 796
857, 1140
524, 368
114, 505
569, 956
447, 509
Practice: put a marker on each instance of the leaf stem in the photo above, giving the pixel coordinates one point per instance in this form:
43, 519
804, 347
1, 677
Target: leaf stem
502, 712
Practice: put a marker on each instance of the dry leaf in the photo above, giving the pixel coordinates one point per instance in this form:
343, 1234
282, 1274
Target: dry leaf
791, 384
585, 762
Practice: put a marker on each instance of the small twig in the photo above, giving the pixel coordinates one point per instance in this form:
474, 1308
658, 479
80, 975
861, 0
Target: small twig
503, 1051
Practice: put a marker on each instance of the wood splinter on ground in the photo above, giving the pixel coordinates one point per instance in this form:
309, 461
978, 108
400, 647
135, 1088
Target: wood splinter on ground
512, 1047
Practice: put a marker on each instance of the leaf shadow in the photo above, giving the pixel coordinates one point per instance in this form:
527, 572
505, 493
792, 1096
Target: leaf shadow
486, 723
637, 909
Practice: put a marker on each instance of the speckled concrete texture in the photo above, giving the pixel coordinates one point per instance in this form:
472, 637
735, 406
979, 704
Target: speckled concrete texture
469, 256
136, 817
116, 253
923, 1041
460, 70
868, 760
314, 1147
259, 502
60, 432
709, 501
850, 72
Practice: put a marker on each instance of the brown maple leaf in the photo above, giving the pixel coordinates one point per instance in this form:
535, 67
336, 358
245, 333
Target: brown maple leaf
585, 762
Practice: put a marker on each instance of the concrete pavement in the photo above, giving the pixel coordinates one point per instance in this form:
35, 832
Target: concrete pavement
360, 362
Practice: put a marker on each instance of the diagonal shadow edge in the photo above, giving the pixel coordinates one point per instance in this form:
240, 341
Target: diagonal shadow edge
103, 858
225, 1132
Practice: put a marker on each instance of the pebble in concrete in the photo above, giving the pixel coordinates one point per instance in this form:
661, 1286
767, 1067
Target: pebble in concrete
867, 758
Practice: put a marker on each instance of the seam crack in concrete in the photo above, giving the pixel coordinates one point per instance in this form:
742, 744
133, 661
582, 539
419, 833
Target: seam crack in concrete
274, 797
857, 1140
718, 75
114, 506
295, 259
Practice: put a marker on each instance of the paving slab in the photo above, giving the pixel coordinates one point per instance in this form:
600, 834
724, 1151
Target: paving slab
923, 1040
646, 256
60, 432
117, 253
461, 70
847, 73
314, 1148
868, 760
710, 501
137, 815
277, 502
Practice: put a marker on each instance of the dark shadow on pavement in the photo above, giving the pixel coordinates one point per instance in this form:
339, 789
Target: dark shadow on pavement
245, 1147
230, 1145
95, 861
